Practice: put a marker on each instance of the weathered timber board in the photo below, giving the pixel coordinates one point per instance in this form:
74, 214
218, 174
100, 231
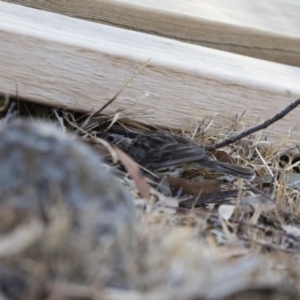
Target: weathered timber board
68, 62
268, 30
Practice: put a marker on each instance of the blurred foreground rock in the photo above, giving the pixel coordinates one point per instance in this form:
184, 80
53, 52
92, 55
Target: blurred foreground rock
85, 214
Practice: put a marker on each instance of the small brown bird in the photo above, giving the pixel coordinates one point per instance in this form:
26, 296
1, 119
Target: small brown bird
169, 153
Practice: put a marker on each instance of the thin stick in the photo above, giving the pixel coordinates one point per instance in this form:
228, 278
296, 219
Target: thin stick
253, 129
123, 87
264, 162
116, 95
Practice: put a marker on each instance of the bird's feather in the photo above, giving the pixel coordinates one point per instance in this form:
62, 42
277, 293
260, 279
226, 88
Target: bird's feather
155, 150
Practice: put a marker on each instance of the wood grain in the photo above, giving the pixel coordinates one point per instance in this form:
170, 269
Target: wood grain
68, 62
268, 30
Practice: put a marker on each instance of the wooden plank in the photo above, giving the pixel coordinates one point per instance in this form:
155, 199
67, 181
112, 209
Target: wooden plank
268, 30
63, 61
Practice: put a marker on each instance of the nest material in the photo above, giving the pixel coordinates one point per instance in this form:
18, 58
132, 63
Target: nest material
243, 246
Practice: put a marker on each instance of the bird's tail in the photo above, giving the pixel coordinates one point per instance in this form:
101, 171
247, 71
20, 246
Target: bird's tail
231, 169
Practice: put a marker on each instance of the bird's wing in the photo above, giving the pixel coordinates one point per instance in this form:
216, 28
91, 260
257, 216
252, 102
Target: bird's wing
156, 150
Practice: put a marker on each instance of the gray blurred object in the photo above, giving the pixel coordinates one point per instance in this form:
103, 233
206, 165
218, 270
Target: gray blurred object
41, 167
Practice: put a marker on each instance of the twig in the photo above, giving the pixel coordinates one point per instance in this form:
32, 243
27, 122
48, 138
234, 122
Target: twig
237, 119
253, 129
122, 88
116, 95
265, 164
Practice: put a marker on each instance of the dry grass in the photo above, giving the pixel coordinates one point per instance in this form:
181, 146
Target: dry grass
240, 248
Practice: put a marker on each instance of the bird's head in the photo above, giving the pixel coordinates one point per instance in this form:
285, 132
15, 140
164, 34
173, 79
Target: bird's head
118, 139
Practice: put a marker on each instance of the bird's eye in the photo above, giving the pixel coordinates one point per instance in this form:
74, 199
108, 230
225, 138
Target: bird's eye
110, 138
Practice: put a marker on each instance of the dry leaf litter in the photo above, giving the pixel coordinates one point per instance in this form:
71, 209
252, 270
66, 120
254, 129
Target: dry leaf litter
204, 236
